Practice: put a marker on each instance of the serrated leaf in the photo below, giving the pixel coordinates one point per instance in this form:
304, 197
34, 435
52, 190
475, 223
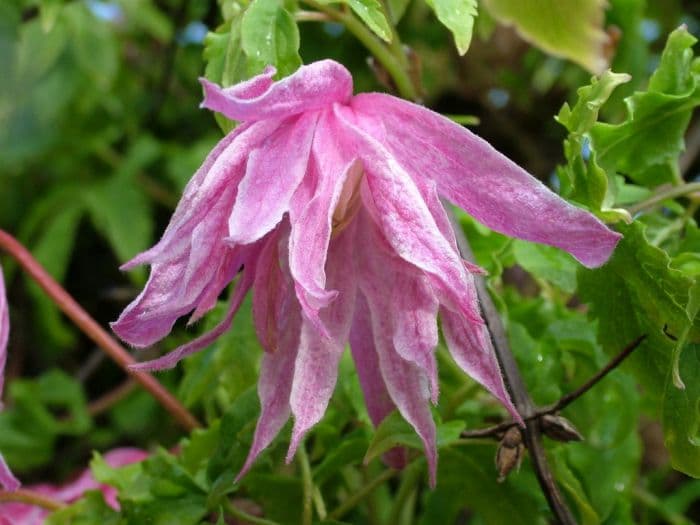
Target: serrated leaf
270, 36
636, 293
573, 29
635, 147
458, 16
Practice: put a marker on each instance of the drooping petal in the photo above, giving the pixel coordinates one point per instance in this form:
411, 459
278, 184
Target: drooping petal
311, 217
408, 300
406, 382
377, 398
223, 168
471, 348
316, 366
311, 87
407, 225
472, 174
275, 170
277, 368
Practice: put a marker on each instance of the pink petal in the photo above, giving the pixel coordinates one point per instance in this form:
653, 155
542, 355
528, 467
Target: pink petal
275, 170
406, 382
311, 87
399, 209
316, 367
170, 359
479, 179
311, 216
377, 398
413, 310
277, 369
4, 332
471, 348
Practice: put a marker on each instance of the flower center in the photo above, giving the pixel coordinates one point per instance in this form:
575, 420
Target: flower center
349, 201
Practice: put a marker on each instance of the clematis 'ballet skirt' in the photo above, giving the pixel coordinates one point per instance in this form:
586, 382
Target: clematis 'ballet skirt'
7, 480
327, 206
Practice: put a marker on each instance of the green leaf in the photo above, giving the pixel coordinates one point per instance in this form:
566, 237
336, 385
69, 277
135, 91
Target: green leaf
394, 431
43, 409
467, 480
91, 509
370, 12
270, 37
350, 450
572, 29
119, 208
638, 292
457, 16
281, 496
681, 415
547, 263
566, 478
635, 147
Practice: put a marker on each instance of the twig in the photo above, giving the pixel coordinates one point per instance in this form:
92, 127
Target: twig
244, 516
31, 497
496, 431
311, 16
111, 398
668, 193
516, 387
94, 331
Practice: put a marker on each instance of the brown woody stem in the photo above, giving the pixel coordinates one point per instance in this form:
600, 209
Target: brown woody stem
94, 331
31, 497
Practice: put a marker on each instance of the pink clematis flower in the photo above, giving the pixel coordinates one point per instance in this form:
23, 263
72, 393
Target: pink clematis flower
7, 480
23, 514
327, 206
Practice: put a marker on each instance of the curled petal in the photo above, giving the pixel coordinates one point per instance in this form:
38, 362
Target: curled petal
316, 367
311, 87
4, 332
407, 225
311, 217
482, 181
275, 170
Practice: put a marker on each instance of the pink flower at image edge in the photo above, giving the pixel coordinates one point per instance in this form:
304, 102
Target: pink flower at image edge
23, 514
327, 206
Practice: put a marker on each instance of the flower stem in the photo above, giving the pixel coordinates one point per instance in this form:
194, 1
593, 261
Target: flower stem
94, 331
408, 484
670, 193
361, 494
31, 497
307, 486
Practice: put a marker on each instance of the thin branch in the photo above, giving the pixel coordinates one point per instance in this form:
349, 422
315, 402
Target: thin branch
31, 497
243, 516
496, 431
667, 193
516, 387
94, 331
111, 398
311, 16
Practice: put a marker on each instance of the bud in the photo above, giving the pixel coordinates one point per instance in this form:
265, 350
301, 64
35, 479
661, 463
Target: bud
559, 428
510, 452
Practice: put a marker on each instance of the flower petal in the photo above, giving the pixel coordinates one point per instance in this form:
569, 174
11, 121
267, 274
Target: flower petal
482, 181
377, 399
4, 332
316, 367
275, 170
409, 300
311, 217
277, 368
170, 359
398, 208
310, 87
471, 348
